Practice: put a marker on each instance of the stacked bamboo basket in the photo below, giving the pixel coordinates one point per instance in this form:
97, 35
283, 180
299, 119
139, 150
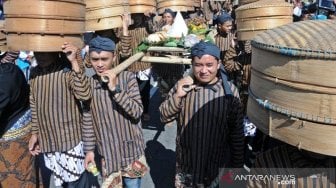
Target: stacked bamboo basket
197, 3
254, 18
3, 43
141, 6
107, 14
104, 14
293, 85
243, 2
43, 25
175, 5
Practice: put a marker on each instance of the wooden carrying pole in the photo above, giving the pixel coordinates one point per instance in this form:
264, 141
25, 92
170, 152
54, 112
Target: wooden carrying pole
141, 56
168, 60
165, 49
128, 62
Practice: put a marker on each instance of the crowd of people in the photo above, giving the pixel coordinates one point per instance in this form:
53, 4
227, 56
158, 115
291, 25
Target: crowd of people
57, 121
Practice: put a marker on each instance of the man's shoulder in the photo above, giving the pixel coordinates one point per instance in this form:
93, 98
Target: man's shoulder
126, 74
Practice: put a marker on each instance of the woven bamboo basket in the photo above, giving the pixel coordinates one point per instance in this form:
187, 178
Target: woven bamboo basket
262, 15
243, 2
197, 3
104, 14
51, 23
175, 5
3, 43
293, 88
141, 6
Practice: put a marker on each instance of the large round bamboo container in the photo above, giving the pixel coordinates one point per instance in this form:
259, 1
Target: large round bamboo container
262, 15
43, 25
3, 43
141, 6
197, 3
104, 14
175, 5
243, 2
292, 93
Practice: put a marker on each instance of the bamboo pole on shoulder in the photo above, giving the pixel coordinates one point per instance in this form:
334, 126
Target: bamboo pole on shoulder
167, 60
128, 62
165, 49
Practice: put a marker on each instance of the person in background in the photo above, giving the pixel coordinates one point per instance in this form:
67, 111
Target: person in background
211, 9
116, 110
142, 26
224, 38
25, 61
209, 119
168, 17
16, 164
58, 86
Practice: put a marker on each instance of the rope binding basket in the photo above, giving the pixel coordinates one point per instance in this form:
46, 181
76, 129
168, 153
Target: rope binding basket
292, 95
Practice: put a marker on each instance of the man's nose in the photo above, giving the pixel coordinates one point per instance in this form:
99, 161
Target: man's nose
100, 63
203, 70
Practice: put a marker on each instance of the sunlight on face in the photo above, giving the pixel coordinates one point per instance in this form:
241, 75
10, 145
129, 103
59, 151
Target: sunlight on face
102, 61
205, 69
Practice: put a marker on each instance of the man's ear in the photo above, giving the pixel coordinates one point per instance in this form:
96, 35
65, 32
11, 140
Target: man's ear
114, 58
219, 64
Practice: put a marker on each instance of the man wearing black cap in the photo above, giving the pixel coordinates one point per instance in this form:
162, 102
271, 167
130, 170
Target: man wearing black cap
116, 111
224, 38
209, 119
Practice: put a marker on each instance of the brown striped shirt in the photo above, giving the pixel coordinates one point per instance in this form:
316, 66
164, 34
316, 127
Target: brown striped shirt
289, 157
228, 52
9, 57
224, 43
55, 102
116, 123
209, 127
137, 35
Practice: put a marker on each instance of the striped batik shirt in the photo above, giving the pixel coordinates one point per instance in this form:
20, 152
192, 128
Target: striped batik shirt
228, 52
116, 124
10, 57
209, 127
309, 170
137, 35
55, 102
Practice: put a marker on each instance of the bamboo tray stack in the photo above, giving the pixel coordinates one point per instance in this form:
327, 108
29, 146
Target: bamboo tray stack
197, 3
104, 14
43, 25
141, 6
254, 18
175, 5
243, 2
292, 93
3, 43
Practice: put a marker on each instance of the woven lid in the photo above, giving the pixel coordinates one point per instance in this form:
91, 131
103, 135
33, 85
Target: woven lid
264, 3
3, 46
243, 2
313, 38
92, 4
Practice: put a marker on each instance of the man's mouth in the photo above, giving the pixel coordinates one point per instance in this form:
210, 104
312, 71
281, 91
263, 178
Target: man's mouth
100, 70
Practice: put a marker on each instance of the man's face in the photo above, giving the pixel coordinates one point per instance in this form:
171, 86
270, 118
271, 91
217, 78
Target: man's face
102, 61
205, 68
226, 27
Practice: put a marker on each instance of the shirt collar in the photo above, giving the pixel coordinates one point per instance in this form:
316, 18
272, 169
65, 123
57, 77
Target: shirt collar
214, 87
